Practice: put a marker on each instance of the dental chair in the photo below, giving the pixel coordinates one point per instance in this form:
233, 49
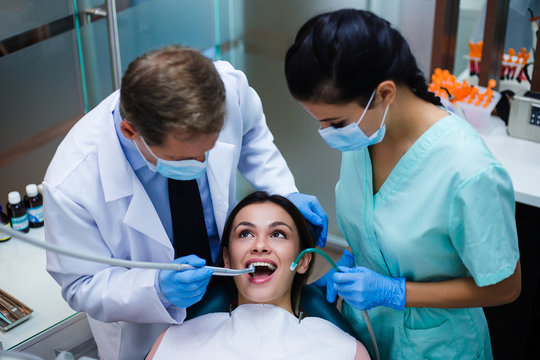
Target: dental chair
312, 302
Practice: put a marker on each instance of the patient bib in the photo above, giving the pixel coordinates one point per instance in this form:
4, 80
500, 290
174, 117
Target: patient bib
256, 331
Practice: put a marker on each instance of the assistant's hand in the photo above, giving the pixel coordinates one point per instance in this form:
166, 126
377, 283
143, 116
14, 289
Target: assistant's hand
312, 210
327, 281
185, 288
364, 289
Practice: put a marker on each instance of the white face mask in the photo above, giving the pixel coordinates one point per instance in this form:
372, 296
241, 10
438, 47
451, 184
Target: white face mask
176, 169
351, 137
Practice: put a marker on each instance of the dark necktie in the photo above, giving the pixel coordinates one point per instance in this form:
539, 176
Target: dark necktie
189, 228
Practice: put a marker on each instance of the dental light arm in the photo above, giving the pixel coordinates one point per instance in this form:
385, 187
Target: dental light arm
364, 312
119, 262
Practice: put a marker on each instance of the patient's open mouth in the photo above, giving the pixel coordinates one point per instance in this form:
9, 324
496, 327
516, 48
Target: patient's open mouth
263, 269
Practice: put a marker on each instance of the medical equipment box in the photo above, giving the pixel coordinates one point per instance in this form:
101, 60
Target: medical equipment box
12, 311
524, 120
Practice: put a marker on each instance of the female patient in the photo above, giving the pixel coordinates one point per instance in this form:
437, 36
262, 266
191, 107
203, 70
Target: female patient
269, 232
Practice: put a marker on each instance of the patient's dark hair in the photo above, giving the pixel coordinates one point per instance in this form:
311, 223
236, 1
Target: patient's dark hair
304, 234
342, 56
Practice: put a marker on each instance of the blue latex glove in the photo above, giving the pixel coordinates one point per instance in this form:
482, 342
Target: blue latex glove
327, 281
312, 210
185, 288
364, 289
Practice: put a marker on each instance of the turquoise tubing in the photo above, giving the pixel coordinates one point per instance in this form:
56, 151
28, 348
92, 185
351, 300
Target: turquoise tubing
315, 250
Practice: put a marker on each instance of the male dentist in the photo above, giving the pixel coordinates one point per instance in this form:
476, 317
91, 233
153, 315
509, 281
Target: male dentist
150, 175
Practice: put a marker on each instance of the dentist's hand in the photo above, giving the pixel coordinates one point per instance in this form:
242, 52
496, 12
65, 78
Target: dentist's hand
327, 281
364, 289
185, 288
312, 210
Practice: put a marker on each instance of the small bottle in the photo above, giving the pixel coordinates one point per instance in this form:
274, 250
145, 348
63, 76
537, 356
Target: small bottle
4, 220
17, 212
34, 206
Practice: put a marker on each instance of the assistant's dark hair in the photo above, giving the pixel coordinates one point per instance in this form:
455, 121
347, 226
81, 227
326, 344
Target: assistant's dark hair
304, 234
342, 56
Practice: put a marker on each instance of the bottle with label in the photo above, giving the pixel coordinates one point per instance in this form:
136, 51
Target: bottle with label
34, 206
17, 212
4, 220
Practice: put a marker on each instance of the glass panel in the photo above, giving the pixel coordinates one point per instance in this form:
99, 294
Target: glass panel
152, 24
29, 169
470, 28
143, 25
95, 58
229, 31
40, 88
17, 16
520, 32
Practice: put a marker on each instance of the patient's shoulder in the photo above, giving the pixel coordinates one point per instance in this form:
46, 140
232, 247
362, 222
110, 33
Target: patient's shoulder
361, 352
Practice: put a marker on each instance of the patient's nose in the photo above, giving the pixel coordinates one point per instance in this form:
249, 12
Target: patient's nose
260, 246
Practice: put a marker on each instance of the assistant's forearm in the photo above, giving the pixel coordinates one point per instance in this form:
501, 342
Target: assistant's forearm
463, 292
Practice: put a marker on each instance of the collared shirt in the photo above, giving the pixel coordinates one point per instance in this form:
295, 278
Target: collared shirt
156, 186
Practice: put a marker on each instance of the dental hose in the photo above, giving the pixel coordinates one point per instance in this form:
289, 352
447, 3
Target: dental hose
119, 262
364, 312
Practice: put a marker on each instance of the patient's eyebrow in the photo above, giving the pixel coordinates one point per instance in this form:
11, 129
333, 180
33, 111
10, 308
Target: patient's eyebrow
272, 225
244, 223
279, 223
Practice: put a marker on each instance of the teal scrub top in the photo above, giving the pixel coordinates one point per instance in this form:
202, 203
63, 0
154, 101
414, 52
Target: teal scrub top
445, 211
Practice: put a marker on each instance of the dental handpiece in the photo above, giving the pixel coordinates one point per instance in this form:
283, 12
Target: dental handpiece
220, 271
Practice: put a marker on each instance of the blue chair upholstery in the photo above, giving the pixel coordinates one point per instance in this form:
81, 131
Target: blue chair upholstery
217, 298
312, 302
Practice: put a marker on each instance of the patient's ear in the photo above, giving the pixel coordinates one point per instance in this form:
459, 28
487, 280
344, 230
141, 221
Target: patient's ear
303, 264
226, 258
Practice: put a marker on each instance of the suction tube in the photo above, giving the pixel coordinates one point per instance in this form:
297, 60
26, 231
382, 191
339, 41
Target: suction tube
364, 312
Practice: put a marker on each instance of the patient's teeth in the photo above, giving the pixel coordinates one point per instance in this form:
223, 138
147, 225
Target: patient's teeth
261, 263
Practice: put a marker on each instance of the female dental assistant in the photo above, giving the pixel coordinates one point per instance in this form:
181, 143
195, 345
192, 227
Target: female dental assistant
428, 212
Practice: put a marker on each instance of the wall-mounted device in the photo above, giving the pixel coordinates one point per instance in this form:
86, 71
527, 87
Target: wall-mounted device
524, 120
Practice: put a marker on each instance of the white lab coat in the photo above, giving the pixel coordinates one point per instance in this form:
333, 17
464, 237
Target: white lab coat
95, 204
